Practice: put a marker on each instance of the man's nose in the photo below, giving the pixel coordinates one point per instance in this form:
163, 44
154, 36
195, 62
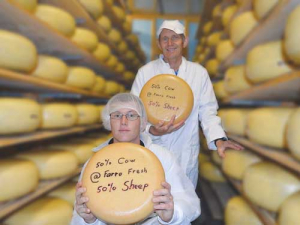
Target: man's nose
124, 120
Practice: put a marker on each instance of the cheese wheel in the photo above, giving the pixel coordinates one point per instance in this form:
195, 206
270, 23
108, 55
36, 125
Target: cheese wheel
81, 77
211, 172
219, 89
57, 18
202, 158
123, 177
130, 55
235, 79
19, 115
166, 95
112, 61
216, 158
241, 26
120, 68
267, 126
293, 134
236, 163
87, 114
292, 35
119, 12
51, 68
268, 185
212, 67
128, 75
207, 27
224, 49
17, 52
266, 61
262, 8
111, 88
101, 107
114, 35
65, 192
235, 121
217, 11
102, 52
238, 212
214, 38
99, 85
52, 164
29, 5
122, 46
58, 115
85, 38
228, 13
133, 39
127, 26
290, 210
94, 7
105, 23
44, 211
17, 178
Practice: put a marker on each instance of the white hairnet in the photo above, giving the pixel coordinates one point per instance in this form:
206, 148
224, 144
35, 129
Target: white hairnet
173, 25
124, 101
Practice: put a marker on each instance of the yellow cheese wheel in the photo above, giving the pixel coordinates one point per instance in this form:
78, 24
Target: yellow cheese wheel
51, 68
51, 164
102, 52
112, 61
101, 107
65, 192
202, 158
293, 134
122, 88
128, 75
133, 38
99, 85
212, 67
238, 212
268, 185
85, 38
292, 35
44, 211
19, 115
123, 177
17, 178
228, 13
224, 49
166, 95
235, 121
235, 79
114, 35
122, 46
211, 172
207, 27
17, 52
87, 114
241, 26
81, 77
94, 7
29, 5
120, 68
105, 23
127, 26
216, 158
266, 61
119, 12
57, 18
130, 55
219, 89
262, 8
111, 88
214, 38
236, 163
217, 10
290, 211
58, 115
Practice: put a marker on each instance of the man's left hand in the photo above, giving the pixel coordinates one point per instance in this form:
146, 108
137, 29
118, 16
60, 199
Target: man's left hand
223, 145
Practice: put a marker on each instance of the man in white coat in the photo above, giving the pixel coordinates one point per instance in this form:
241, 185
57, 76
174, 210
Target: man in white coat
183, 138
176, 202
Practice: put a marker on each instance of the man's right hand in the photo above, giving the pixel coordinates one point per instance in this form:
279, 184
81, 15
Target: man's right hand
80, 205
161, 128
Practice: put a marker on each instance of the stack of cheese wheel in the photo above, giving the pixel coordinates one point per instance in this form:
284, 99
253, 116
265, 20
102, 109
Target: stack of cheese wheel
130, 55
289, 211
269, 185
214, 38
266, 61
228, 13
58, 115
87, 114
99, 85
17, 52
122, 46
211, 172
235, 79
85, 38
29, 5
120, 68
219, 89
207, 27
238, 212
112, 61
292, 134
102, 52
224, 49
236, 163
128, 75
119, 12
17, 178
267, 126
262, 8
217, 11
19, 115
65, 192
212, 66
111, 88
105, 23
51, 68
81, 77
57, 18
115, 35
44, 211
94, 7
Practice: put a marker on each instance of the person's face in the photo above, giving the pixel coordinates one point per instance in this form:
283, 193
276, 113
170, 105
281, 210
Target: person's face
123, 129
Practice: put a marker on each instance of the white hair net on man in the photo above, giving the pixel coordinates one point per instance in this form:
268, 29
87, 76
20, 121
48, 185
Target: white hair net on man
124, 101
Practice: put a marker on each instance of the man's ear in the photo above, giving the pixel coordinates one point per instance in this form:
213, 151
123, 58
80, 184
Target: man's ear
158, 44
186, 41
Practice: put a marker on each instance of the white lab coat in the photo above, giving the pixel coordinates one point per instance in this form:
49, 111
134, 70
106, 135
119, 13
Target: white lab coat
186, 201
184, 143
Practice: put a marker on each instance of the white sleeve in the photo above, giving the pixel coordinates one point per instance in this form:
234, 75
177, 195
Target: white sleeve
78, 220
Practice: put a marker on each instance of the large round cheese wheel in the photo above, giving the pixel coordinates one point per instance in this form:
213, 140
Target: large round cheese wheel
122, 176
227, 14
219, 89
81, 77
217, 10
19, 115
114, 35
241, 26
133, 38
111, 87
112, 61
57, 18
102, 52
214, 38
166, 95
119, 12
65, 192
122, 46
235, 121
266, 61
212, 67
235, 79
267, 126
216, 158
262, 8
292, 35
17, 52
128, 75
51, 68
293, 133
120, 68
202, 158
236, 163
87, 114
85, 38
17, 178
99, 85
105, 23
127, 26
238, 212
224, 49
211, 172
44, 211
130, 55
94, 7
52, 164
29, 5
207, 27
290, 210
268, 185
58, 115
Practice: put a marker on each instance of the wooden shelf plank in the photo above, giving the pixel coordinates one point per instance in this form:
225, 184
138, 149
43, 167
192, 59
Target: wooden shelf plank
44, 187
6, 141
278, 155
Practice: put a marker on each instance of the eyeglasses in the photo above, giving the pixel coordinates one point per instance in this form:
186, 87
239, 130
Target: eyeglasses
119, 116
174, 38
